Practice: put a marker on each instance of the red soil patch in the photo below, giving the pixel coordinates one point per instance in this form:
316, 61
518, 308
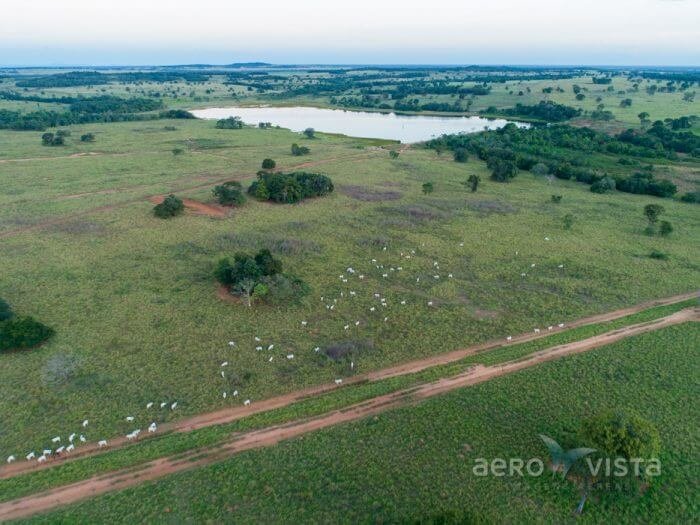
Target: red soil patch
196, 207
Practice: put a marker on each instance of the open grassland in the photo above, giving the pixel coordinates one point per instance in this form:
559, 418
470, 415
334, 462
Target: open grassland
416, 463
134, 304
305, 406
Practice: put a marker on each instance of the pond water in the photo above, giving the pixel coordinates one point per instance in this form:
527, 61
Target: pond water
405, 128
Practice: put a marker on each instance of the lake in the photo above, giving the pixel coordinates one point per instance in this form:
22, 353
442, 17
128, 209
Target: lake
405, 128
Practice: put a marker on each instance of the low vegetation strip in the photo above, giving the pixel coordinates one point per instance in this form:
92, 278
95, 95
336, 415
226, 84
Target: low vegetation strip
272, 435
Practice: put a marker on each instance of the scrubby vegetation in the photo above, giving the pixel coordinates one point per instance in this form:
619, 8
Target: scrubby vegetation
170, 207
288, 188
230, 123
229, 193
259, 277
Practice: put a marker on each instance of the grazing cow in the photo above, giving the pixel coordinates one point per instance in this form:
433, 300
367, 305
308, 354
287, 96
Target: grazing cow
30, 456
57, 439
41, 459
129, 418
246, 402
102, 443
82, 438
173, 406
152, 427
10, 459
338, 381
70, 448
85, 423
149, 405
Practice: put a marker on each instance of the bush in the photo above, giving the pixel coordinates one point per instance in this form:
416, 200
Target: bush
428, 187
229, 193
170, 207
49, 139
310, 133
88, 137
540, 169
178, 151
665, 228
460, 155
603, 185
268, 164
176, 114
502, 170
230, 123
298, 151
568, 221
22, 332
393, 154
5, 311
656, 254
556, 199
691, 196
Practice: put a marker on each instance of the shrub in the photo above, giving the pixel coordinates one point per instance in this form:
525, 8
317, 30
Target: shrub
603, 185
568, 221
556, 199
656, 254
540, 169
87, 137
665, 228
170, 207
176, 114
393, 154
428, 187
268, 164
473, 182
178, 151
502, 170
230, 123
49, 139
460, 155
691, 196
298, 151
229, 193
652, 212
5, 311
22, 332
310, 133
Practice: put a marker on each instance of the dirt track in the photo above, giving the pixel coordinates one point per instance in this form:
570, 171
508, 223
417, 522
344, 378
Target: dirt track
118, 480
228, 415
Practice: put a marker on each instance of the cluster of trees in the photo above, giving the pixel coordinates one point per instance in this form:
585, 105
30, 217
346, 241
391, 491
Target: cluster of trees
288, 188
106, 108
259, 277
94, 78
230, 123
170, 207
20, 332
664, 137
545, 110
652, 212
229, 193
560, 151
54, 139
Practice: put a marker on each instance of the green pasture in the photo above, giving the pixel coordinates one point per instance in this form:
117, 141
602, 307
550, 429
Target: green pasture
415, 464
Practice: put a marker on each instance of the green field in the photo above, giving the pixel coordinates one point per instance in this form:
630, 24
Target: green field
416, 463
134, 303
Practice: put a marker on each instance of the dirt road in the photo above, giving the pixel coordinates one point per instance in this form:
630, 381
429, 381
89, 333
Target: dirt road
118, 480
228, 415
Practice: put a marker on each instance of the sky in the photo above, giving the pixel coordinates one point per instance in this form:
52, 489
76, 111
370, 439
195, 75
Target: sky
146, 32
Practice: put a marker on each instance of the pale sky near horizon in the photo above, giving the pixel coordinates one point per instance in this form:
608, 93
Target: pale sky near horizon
139, 32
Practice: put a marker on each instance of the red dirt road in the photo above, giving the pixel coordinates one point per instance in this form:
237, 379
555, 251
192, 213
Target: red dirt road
118, 480
228, 415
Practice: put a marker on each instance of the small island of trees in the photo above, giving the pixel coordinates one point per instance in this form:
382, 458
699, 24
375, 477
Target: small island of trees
288, 188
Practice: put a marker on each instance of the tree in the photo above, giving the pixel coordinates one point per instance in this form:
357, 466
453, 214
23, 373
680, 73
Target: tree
245, 288
643, 118
428, 188
310, 133
652, 213
540, 169
502, 170
229, 193
5, 310
473, 182
460, 155
625, 102
87, 137
603, 185
665, 228
268, 164
170, 207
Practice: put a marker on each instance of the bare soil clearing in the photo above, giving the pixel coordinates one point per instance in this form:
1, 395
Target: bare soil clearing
196, 207
272, 435
229, 415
